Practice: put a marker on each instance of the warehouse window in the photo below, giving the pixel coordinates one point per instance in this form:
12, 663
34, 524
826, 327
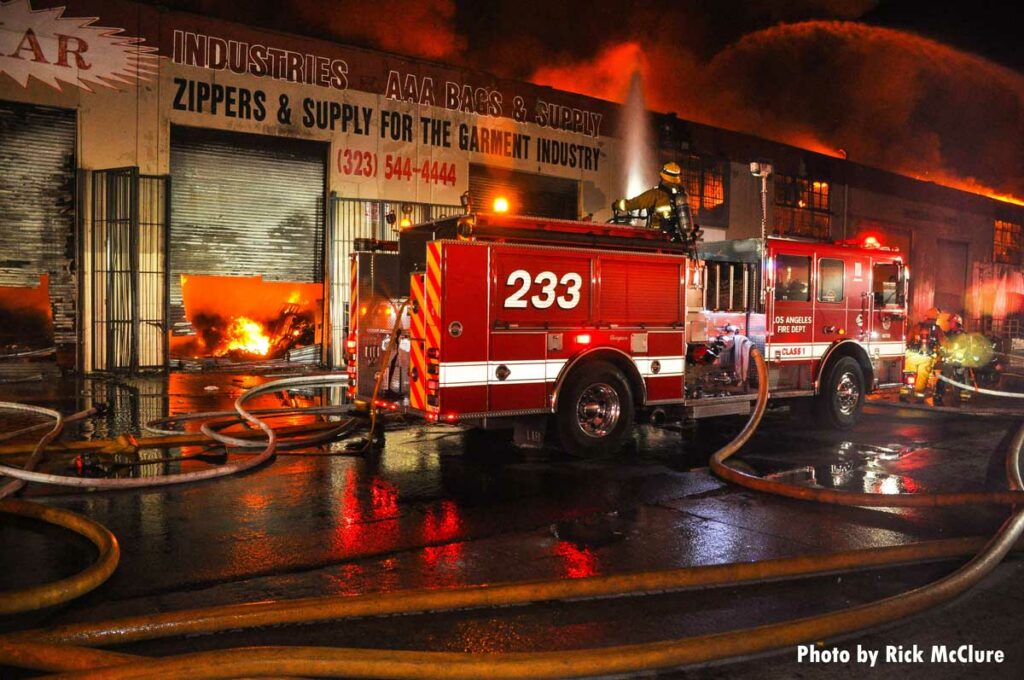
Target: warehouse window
802, 207
526, 193
705, 181
1009, 243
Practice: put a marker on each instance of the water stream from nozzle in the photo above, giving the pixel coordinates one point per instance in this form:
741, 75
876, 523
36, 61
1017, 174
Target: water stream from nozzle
638, 137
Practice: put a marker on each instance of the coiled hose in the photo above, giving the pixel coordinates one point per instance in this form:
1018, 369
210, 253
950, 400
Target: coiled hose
27, 599
37, 597
269, 446
339, 662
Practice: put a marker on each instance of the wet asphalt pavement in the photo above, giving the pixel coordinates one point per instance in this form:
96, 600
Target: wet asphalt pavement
442, 508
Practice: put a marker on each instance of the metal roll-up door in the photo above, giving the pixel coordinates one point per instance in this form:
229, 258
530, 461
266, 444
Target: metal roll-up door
244, 205
37, 213
527, 194
951, 282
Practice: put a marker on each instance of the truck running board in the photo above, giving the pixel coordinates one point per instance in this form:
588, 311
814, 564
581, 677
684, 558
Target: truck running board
718, 407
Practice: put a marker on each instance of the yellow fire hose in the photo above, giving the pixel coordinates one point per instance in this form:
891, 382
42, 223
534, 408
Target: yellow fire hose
320, 661
37, 597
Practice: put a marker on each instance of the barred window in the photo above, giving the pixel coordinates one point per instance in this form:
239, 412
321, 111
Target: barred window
705, 181
803, 207
1009, 243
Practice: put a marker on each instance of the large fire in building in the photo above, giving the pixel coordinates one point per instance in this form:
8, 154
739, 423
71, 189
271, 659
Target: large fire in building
877, 96
247, 318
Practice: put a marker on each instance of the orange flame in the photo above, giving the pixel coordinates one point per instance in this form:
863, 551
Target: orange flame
890, 99
246, 335
968, 184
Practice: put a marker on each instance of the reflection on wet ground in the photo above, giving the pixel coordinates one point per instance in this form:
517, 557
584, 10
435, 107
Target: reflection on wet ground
438, 507
856, 467
129, 404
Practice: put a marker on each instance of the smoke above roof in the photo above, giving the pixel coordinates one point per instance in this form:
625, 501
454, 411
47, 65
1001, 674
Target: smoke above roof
802, 72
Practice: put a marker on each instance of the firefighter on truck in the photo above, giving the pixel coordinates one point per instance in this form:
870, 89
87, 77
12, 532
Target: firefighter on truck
666, 207
572, 331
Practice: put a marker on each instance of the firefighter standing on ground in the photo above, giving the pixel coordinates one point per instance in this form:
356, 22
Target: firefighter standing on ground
667, 206
933, 345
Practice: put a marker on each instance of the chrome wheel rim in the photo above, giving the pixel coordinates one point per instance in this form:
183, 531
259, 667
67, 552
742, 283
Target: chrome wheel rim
598, 410
847, 394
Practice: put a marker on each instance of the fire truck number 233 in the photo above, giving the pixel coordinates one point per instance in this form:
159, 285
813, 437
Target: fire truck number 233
549, 283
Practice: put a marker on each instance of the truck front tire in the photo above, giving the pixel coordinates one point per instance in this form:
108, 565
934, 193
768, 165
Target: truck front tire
595, 410
841, 397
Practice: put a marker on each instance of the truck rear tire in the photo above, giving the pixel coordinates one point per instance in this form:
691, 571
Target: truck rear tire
841, 397
595, 410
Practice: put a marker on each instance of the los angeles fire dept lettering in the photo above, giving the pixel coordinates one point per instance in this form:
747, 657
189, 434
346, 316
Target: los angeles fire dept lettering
792, 324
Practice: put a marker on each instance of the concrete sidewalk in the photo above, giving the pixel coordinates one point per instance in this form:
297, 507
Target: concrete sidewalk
981, 405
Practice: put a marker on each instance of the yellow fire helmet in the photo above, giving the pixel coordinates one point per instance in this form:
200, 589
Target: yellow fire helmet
671, 173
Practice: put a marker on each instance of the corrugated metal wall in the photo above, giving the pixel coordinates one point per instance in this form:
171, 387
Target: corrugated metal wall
527, 194
244, 205
37, 206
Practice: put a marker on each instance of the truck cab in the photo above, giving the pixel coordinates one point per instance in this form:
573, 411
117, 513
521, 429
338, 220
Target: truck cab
807, 305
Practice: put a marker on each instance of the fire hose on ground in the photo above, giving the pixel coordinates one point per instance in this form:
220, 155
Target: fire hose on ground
980, 390
106, 544
27, 599
269, 446
58, 648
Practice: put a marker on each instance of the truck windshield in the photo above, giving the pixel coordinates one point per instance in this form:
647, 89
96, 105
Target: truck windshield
792, 278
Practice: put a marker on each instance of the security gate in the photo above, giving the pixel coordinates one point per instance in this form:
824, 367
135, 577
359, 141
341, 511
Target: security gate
244, 205
126, 254
352, 219
37, 213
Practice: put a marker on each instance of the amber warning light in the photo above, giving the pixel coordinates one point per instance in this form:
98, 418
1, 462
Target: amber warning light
501, 204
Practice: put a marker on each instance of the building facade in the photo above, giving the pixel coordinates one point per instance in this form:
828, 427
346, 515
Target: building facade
165, 174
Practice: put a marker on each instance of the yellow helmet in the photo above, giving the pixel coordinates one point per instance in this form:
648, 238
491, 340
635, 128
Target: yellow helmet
671, 173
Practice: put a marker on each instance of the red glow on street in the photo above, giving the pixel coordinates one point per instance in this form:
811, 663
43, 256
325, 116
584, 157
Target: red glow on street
579, 562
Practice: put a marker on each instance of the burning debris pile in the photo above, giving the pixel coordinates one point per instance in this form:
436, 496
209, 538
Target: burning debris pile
241, 338
246, 319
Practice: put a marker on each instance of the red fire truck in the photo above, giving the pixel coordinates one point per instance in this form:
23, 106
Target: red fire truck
581, 329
